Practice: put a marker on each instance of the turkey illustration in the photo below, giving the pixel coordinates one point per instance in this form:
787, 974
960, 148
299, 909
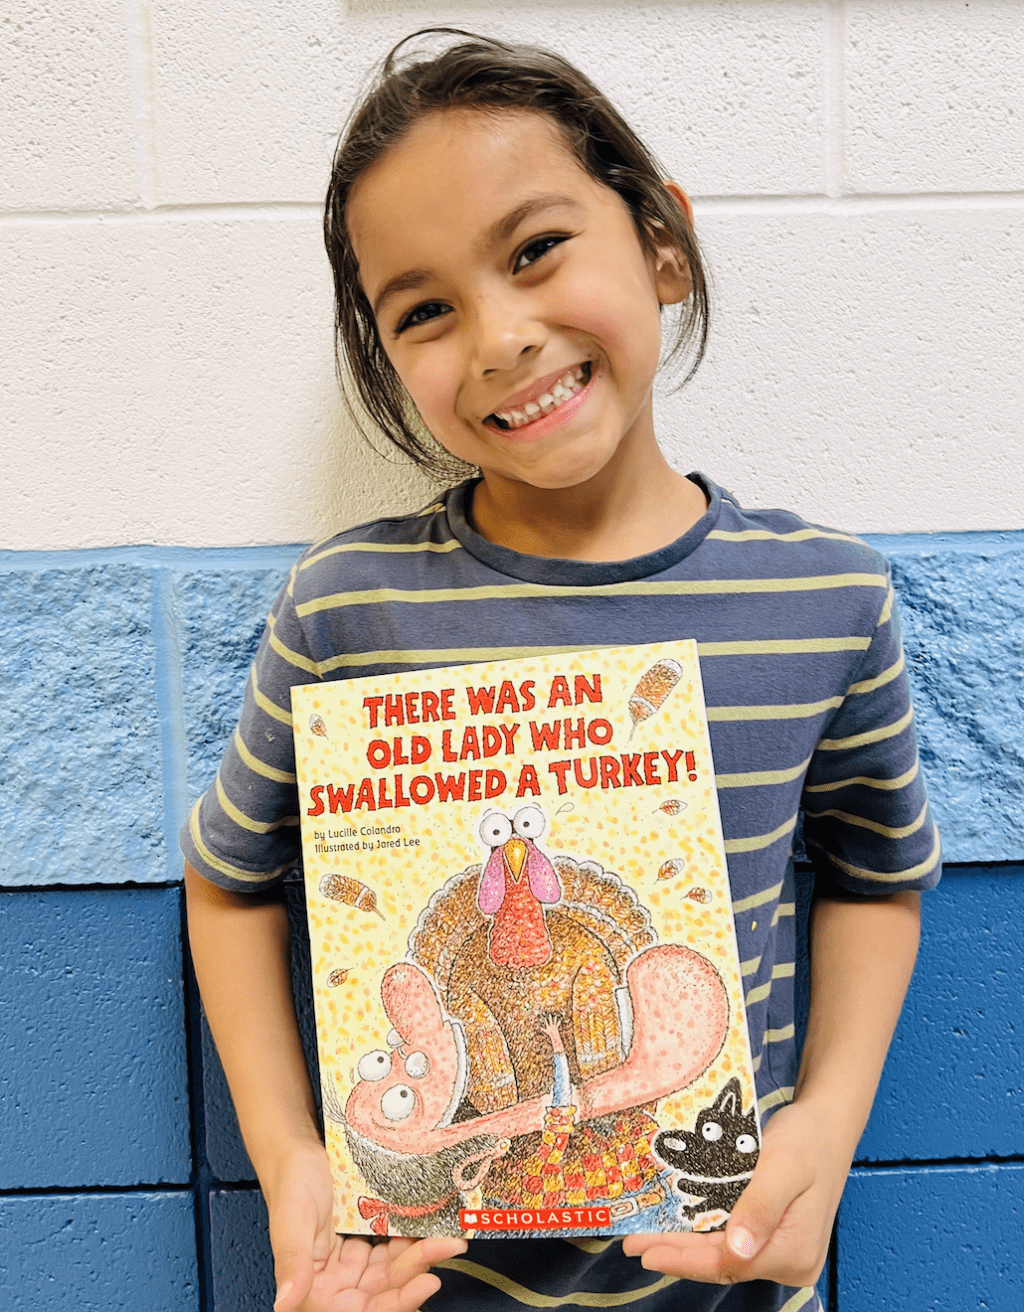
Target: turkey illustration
525, 936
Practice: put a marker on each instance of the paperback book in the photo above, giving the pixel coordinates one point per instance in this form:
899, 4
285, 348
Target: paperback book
529, 1004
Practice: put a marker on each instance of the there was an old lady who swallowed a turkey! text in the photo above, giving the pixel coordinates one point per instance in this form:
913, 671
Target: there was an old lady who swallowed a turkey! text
524, 960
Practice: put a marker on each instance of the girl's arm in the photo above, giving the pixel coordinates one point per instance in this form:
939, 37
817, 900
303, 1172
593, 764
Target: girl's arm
240, 951
862, 957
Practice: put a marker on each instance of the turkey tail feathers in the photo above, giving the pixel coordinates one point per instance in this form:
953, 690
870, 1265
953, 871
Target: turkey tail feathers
601, 902
449, 918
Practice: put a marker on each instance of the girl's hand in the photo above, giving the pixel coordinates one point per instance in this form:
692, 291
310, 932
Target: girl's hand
319, 1271
780, 1227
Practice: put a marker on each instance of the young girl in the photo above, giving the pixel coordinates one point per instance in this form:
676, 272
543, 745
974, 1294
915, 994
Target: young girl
503, 249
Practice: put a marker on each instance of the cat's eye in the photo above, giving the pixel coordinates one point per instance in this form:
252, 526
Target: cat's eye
711, 1131
746, 1143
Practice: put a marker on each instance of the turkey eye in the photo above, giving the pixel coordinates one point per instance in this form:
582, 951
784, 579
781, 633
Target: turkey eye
746, 1143
529, 822
398, 1103
417, 1064
711, 1131
495, 829
375, 1065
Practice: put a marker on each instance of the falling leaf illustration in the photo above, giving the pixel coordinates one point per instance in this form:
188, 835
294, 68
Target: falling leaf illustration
654, 686
669, 869
699, 894
673, 806
317, 726
342, 889
338, 976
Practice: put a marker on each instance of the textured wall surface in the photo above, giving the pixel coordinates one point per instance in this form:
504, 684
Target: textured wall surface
125, 673
858, 172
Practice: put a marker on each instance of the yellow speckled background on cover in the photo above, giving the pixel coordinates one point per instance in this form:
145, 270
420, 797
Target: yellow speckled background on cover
626, 830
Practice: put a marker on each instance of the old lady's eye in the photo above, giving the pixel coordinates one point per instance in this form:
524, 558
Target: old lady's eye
534, 251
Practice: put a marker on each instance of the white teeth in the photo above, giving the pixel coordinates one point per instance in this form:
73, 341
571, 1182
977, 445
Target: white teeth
571, 382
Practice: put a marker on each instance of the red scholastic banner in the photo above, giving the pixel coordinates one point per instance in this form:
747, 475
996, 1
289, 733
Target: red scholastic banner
540, 1218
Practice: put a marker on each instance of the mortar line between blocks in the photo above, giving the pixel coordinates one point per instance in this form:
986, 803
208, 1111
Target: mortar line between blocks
846, 204
140, 59
835, 98
171, 709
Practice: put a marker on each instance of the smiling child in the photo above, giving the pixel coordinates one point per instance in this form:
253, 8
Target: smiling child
504, 250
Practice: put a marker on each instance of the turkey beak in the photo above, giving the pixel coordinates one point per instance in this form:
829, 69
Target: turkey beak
515, 857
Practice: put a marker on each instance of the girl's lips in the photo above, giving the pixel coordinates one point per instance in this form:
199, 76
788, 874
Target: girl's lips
537, 389
543, 423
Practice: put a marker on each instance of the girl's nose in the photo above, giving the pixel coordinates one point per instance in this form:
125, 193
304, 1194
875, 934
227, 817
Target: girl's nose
501, 332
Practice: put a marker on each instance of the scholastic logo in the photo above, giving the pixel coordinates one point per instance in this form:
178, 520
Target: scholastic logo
541, 1218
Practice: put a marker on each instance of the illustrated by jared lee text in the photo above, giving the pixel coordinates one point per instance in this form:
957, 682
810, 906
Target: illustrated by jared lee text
528, 999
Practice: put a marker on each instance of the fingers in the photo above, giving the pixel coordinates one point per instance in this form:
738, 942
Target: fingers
293, 1274
418, 1257
774, 1233
776, 1183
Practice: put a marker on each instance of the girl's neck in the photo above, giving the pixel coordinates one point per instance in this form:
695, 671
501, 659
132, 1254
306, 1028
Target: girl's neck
622, 513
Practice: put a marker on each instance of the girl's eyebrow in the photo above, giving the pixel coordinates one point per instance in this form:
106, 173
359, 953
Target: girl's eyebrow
402, 282
505, 227
499, 232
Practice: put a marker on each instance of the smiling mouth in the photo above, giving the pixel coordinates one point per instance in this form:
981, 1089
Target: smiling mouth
567, 386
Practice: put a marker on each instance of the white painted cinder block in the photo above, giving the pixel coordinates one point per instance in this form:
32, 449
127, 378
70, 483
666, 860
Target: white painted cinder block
67, 137
174, 380
167, 372
935, 95
175, 385
864, 367
248, 101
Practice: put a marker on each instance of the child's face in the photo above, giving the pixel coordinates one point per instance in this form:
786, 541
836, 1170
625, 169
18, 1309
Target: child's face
513, 297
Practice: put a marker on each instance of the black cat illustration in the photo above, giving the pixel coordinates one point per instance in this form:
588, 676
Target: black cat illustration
715, 1161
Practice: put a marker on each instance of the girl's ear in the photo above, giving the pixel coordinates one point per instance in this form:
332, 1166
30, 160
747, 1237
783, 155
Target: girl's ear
673, 279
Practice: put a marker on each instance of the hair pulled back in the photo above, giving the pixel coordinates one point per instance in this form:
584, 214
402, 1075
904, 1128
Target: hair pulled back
483, 73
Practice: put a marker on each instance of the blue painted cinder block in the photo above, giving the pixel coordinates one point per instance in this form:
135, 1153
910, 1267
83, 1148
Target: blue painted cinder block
80, 761
961, 598
98, 1252
93, 1071
932, 1239
221, 613
243, 1265
953, 1085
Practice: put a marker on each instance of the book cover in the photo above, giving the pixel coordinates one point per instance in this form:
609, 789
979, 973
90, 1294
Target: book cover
529, 1005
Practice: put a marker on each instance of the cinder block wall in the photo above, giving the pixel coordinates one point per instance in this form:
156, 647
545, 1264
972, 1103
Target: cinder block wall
170, 424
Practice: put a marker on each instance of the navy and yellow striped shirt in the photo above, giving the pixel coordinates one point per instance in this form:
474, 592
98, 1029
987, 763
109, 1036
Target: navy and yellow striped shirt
808, 706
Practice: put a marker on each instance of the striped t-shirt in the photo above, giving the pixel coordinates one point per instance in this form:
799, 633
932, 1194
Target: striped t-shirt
808, 706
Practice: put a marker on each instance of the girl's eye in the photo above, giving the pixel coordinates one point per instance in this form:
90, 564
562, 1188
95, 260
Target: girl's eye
422, 314
532, 253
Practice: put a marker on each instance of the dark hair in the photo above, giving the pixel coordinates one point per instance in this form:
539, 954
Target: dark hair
480, 72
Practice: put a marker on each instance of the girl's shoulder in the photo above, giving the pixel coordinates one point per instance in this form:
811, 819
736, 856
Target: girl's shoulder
375, 547
782, 539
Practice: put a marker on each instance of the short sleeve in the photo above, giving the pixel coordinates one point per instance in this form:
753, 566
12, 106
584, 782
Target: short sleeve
243, 833
867, 824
